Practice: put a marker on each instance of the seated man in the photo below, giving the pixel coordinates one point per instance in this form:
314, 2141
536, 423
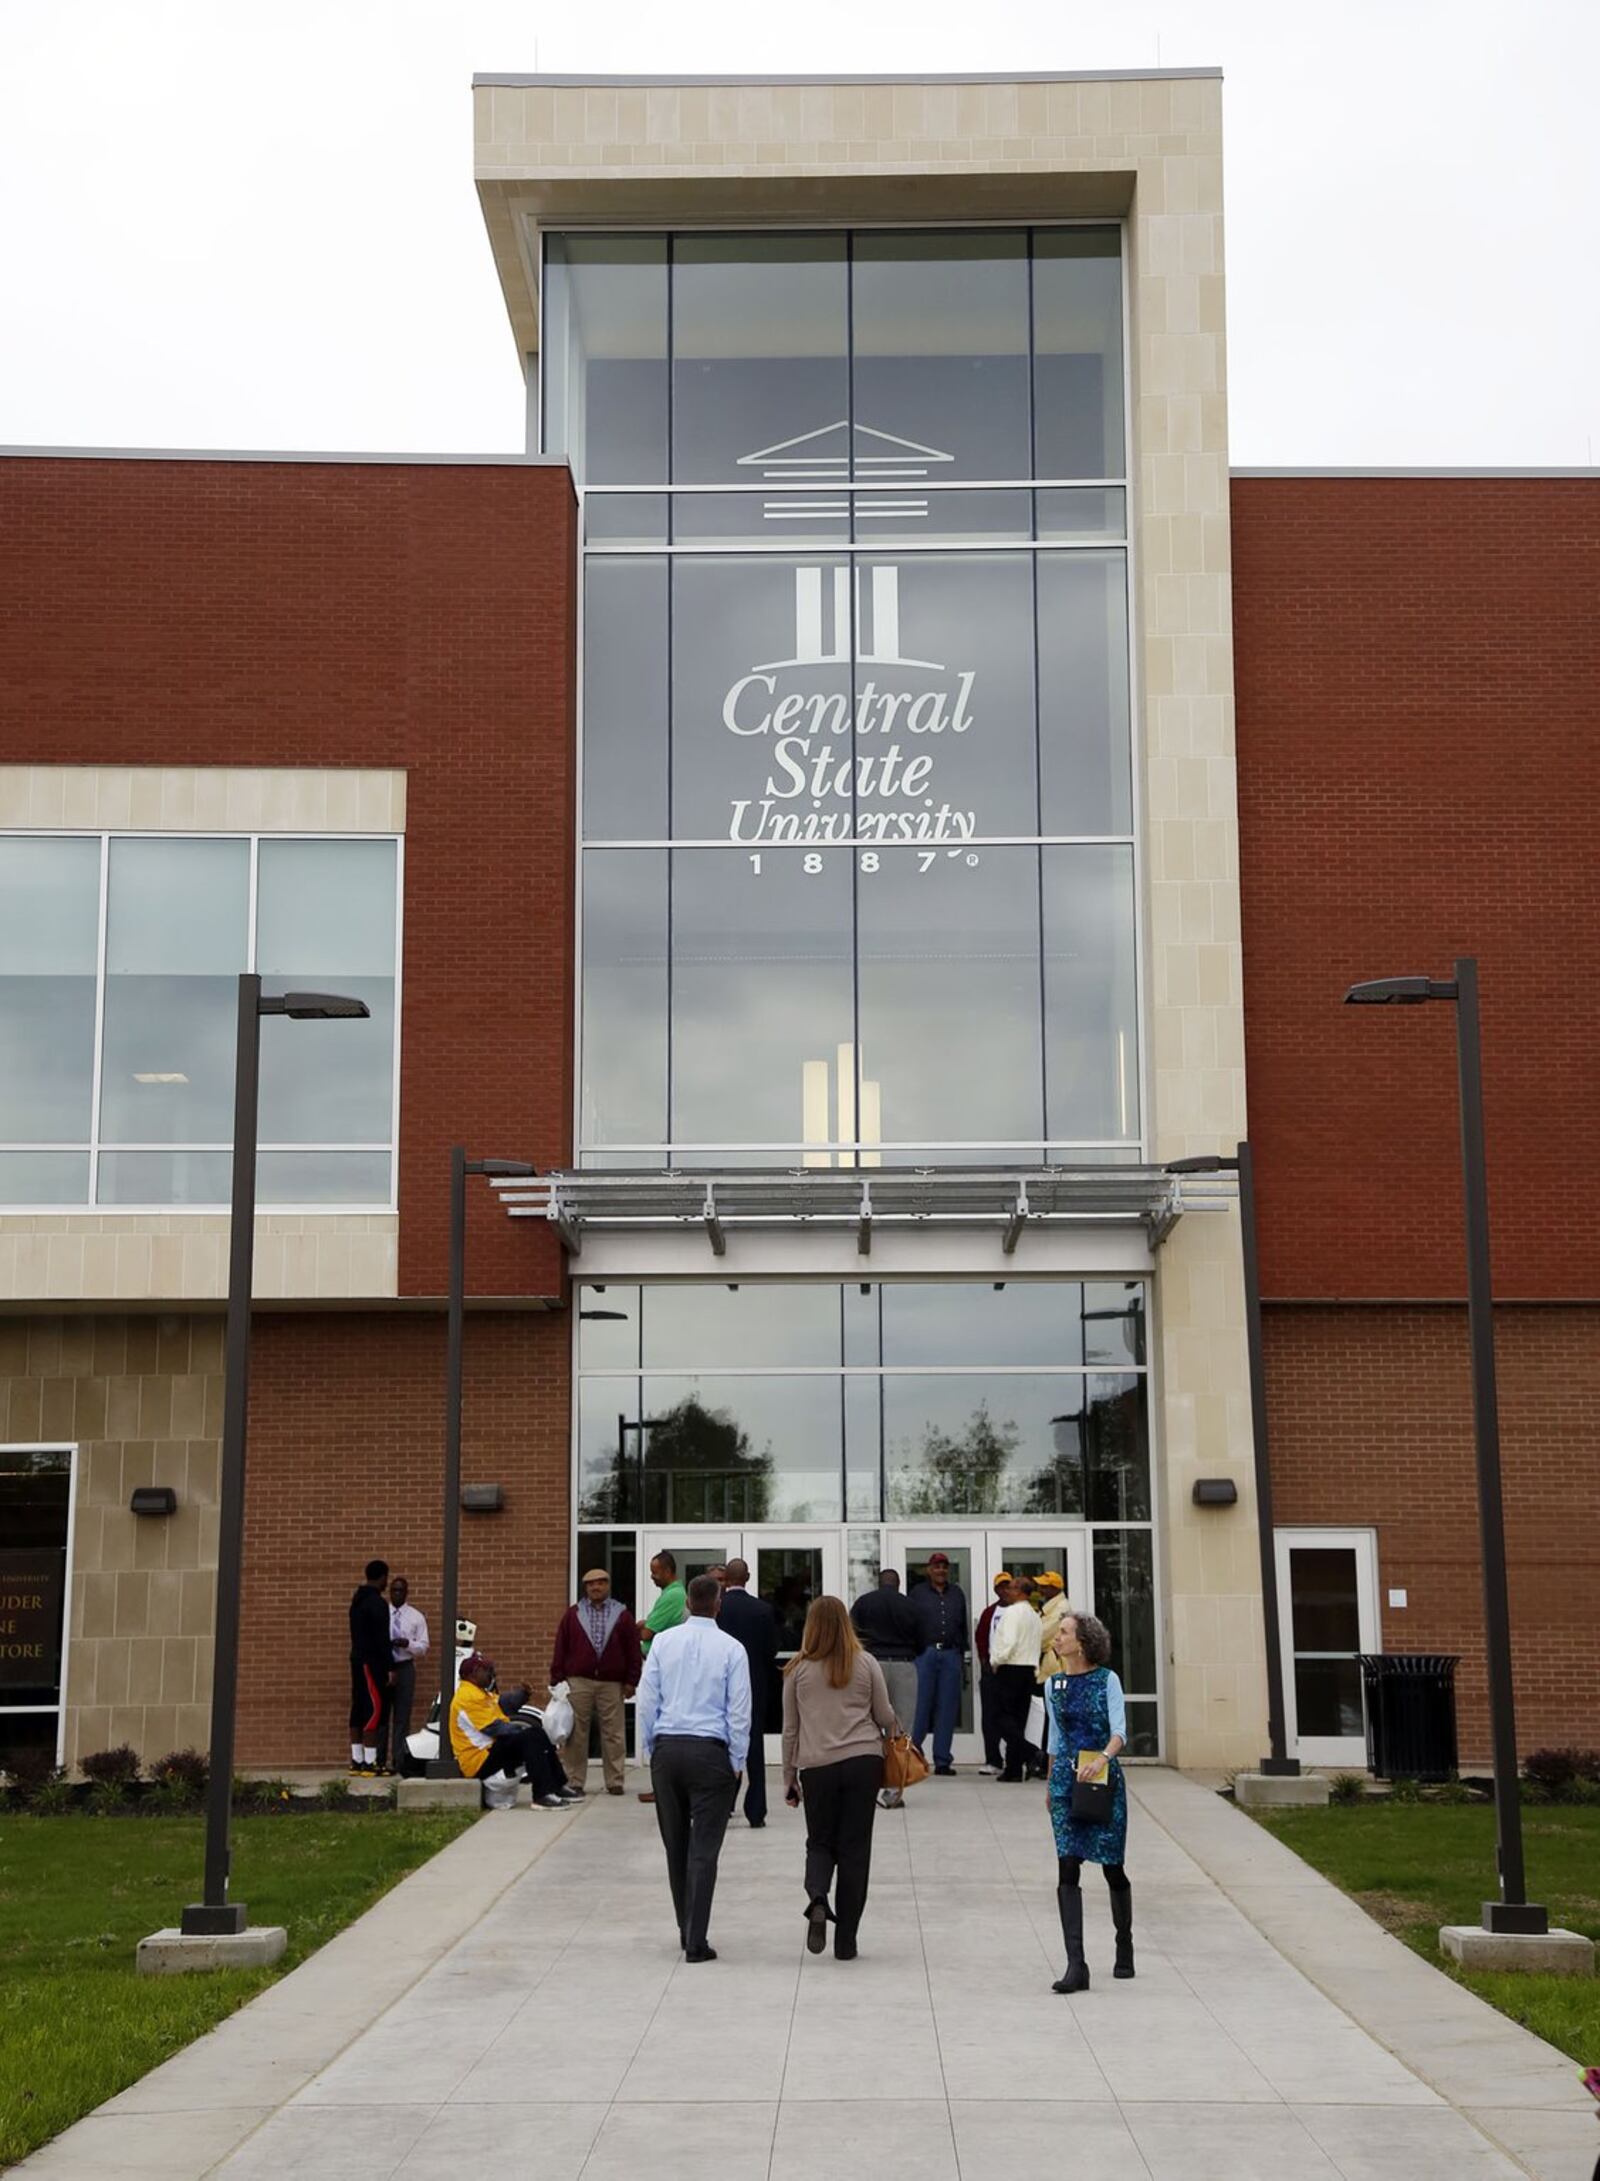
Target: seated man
485, 1741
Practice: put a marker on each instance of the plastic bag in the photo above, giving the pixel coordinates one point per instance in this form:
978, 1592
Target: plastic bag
558, 1719
1036, 1726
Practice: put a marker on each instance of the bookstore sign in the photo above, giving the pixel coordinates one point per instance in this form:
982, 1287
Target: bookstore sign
32, 1602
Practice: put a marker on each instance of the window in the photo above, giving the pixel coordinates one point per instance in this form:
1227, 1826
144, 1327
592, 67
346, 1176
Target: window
859, 880
35, 1549
119, 964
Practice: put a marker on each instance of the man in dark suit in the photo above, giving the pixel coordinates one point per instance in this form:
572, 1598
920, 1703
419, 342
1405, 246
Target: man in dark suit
752, 1622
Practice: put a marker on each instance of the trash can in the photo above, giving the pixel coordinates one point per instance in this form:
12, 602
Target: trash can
1411, 1714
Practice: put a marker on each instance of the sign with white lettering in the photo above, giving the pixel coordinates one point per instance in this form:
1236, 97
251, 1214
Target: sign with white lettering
32, 1602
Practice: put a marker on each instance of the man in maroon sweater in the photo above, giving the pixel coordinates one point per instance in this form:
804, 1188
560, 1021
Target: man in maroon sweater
597, 1655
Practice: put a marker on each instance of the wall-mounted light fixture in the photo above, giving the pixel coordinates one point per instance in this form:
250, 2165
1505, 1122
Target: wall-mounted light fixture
482, 1499
1215, 1492
153, 1499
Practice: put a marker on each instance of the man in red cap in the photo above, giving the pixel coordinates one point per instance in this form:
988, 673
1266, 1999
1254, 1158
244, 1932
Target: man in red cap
940, 1608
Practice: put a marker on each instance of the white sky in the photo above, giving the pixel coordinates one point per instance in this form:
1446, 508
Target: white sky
209, 241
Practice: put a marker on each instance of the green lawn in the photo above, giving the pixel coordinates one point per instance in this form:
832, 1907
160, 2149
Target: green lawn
77, 1894
1415, 1866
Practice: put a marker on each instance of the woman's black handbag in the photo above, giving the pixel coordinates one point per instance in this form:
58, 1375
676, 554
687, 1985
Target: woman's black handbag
1092, 1800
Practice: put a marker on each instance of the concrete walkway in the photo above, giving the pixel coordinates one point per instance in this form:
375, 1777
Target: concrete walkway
1273, 2030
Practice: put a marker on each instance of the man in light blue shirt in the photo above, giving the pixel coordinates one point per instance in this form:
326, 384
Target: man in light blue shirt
693, 1722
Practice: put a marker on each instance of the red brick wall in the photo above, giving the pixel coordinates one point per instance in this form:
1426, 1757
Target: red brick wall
345, 1462
1417, 667
348, 614
1371, 1413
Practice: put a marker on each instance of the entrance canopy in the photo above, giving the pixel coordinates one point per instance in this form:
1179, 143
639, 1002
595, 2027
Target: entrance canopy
1007, 1200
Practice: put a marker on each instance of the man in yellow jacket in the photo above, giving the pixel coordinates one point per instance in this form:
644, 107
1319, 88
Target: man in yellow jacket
485, 1741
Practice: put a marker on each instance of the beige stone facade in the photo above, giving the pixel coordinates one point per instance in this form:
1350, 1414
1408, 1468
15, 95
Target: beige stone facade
140, 1400
1146, 149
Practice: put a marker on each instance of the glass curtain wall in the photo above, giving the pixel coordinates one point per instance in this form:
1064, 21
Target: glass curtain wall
119, 964
820, 1404
859, 861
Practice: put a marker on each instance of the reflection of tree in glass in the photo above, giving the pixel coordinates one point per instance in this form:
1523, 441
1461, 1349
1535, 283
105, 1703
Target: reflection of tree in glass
953, 1475
698, 1467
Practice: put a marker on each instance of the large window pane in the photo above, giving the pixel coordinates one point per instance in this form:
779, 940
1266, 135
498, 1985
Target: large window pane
944, 697
166, 1177
1018, 1322
44, 1177
761, 992
1085, 765
176, 939
949, 981
608, 1328
604, 359
978, 1443
940, 356
761, 728
625, 699
1324, 1599
1114, 1323
1125, 1599
1077, 338
749, 1326
624, 997
760, 388
49, 947
325, 921
742, 1450
35, 1491
610, 1451
1091, 1042
1099, 1462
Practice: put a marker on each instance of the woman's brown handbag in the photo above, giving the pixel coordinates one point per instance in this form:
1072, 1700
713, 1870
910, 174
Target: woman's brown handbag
903, 1764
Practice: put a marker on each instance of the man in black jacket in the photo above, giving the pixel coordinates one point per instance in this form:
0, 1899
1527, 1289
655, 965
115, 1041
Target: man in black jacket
752, 1622
884, 1621
371, 1663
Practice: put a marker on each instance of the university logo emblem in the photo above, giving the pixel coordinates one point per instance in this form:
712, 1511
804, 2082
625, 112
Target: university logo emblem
822, 458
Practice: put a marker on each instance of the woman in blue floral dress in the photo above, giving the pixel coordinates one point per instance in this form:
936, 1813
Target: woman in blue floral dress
1087, 1724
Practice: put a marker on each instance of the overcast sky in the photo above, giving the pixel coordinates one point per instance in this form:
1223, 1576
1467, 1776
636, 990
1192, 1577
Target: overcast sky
233, 225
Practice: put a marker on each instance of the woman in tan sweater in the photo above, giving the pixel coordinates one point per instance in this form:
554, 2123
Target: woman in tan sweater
836, 1712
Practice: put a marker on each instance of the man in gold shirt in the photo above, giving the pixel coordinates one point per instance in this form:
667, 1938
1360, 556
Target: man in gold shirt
485, 1741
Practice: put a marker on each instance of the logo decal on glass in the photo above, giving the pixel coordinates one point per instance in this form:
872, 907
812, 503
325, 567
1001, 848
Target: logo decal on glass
823, 457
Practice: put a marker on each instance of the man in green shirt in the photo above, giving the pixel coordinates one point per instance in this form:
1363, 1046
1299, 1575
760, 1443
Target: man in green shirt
669, 1609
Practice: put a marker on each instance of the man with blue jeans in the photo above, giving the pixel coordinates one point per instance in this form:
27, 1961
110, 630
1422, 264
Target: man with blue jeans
940, 1608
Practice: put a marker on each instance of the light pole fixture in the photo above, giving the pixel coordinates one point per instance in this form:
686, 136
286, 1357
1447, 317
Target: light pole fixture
1277, 1760
1513, 1912
216, 1915
444, 1765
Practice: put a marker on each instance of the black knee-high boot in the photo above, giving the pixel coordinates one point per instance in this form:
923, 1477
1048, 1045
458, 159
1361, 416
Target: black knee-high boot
1069, 1900
1122, 1923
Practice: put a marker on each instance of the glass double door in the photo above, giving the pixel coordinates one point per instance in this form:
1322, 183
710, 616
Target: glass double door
788, 1568
976, 1558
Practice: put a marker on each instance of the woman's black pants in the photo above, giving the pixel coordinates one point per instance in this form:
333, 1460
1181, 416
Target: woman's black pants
840, 1803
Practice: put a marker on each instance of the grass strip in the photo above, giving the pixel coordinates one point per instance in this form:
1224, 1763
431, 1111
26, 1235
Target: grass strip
77, 2023
1415, 1866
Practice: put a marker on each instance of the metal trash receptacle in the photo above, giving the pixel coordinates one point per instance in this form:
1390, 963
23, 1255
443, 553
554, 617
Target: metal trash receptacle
1411, 1714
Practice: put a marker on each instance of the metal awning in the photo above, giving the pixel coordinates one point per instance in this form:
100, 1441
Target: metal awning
1007, 1199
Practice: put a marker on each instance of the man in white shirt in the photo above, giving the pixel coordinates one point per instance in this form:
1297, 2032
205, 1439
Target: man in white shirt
1014, 1643
408, 1639
693, 1721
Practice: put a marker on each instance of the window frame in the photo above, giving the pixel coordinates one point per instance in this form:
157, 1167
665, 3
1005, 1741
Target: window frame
96, 1142
71, 1448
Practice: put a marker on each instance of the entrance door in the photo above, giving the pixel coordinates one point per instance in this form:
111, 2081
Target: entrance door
1328, 1613
907, 1549
788, 1568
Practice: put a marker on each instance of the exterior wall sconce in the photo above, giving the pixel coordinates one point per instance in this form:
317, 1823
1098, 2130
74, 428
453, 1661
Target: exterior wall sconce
1215, 1492
482, 1499
153, 1499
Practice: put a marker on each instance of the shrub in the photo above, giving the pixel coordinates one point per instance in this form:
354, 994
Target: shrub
1554, 1768
1347, 1787
111, 1767
106, 1798
334, 1795
1404, 1790
258, 1796
1451, 1791
54, 1796
172, 1794
28, 1771
1584, 1791
180, 1777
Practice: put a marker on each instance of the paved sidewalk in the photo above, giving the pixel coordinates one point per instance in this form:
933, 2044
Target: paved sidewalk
565, 2037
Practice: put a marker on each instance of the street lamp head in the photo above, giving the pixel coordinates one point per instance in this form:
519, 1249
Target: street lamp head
1206, 1162
503, 1169
318, 1007
1400, 991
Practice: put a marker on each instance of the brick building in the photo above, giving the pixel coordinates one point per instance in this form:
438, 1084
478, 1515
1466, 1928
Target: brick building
851, 1083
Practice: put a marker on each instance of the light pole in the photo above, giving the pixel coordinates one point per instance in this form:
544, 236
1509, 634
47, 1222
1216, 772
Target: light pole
443, 1766
216, 1914
1277, 1761
1513, 1911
